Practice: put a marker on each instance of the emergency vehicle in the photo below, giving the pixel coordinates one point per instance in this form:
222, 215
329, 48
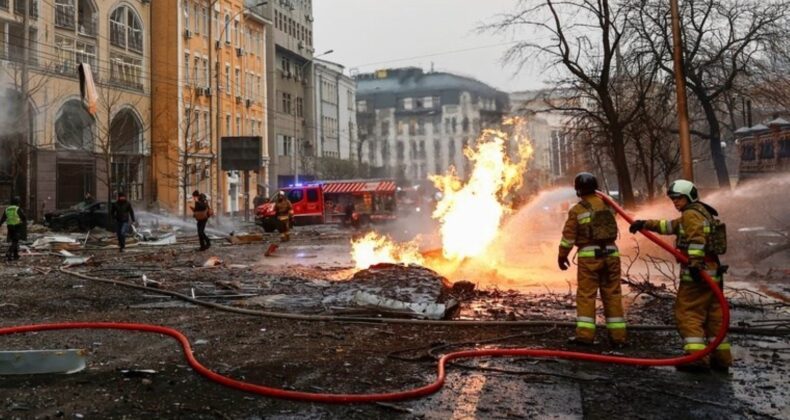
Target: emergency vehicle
347, 201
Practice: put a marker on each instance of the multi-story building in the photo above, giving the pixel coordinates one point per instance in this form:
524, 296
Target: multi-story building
209, 82
336, 118
54, 145
550, 131
290, 106
413, 124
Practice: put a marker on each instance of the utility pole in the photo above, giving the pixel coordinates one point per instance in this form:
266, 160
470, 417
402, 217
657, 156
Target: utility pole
680, 89
26, 135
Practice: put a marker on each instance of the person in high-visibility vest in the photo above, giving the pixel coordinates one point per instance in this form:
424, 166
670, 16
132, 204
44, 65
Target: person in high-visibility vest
15, 218
591, 227
697, 311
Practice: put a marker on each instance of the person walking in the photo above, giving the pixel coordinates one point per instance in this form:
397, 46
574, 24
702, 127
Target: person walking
123, 213
701, 238
15, 219
201, 212
592, 228
285, 213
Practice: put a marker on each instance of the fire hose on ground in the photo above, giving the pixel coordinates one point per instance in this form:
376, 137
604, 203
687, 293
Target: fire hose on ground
440, 378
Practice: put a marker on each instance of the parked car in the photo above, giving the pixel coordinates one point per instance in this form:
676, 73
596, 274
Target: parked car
80, 217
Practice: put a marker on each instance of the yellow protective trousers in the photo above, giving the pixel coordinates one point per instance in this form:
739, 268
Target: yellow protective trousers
599, 273
698, 315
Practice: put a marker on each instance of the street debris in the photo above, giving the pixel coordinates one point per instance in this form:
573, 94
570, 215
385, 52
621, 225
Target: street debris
212, 262
30, 362
420, 310
56, 243
244, 239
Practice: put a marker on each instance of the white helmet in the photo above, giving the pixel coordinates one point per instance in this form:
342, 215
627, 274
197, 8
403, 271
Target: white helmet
683, 188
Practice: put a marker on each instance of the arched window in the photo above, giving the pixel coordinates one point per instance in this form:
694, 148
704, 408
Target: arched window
74, 127
126, 146
126, 29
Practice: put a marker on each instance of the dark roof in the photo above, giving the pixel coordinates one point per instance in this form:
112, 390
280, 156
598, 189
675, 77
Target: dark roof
385, 87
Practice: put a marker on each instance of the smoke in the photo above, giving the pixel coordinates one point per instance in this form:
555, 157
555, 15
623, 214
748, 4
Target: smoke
218, 226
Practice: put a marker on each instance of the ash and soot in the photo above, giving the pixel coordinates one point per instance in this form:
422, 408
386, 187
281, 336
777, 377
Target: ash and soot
470, 213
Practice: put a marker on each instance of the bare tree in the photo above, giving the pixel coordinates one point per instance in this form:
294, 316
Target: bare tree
119, 146
722, 42
18, 139
588, 41
193, 155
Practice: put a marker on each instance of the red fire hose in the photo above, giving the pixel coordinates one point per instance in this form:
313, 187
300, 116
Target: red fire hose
416, 392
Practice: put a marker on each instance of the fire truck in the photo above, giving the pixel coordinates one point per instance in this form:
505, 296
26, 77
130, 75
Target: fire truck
357, 202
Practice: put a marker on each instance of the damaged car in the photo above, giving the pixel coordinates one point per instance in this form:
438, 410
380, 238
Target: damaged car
80, 217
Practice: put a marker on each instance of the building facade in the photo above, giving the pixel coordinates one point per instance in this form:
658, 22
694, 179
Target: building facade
54, 145
336, 119
209, 82
291, 127
550, 130
414, 124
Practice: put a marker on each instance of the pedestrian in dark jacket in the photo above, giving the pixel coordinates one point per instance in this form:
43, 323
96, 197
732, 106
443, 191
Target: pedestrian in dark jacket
123, 214
201, 212
16, 220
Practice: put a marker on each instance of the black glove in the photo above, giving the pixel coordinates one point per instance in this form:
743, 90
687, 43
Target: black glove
563, 263
637, 226
695, 274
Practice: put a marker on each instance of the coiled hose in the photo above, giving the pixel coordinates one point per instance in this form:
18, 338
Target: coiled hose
440, 377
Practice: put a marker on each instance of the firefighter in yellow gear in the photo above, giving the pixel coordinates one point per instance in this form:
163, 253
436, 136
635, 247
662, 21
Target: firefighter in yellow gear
284, 212
697, 311
592, 228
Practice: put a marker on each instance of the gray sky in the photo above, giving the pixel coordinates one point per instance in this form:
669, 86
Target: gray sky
371, 34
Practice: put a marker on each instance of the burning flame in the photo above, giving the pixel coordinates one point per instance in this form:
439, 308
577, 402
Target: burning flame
470, 211
374, 248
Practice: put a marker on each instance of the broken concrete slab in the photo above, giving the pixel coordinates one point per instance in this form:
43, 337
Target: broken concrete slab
31, 362
74, 261
56, 242
167, 240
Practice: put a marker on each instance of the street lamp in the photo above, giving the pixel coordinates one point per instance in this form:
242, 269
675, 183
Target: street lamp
217, 73
296, 117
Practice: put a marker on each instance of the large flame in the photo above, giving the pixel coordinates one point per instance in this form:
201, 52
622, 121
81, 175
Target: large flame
374, 248
470, 211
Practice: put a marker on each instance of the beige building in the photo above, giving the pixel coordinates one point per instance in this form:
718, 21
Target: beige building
71, 150
209, 81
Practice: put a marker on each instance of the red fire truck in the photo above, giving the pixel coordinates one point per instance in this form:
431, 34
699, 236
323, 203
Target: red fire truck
347, 201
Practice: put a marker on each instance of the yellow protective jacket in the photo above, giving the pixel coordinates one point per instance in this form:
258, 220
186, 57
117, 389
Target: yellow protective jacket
572, 234
692, 229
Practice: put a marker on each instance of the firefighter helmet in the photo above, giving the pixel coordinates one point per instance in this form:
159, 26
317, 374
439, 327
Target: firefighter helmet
683, 188
585, 183
280, 194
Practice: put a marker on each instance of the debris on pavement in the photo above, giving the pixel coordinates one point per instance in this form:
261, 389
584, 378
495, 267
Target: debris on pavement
245, 239
30, 362
213, 262
420, 310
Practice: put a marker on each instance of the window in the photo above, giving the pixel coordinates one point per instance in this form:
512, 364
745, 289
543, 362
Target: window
65, 15
227, 125
299, 107
204, 21
385, 128
187, 12
238, 82
285, 103
196, 73
126, 70
407, 103
196, 18
350, 100
284, 144
236, 38
205, 73
295, 196
227, 29
64, 48
238, 125
126, 29
206, 129
186, 69
227, 79
312, 195
362, 106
